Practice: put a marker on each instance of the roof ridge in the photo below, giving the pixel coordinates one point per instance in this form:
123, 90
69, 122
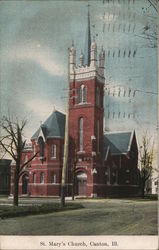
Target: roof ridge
57, 111
118, 132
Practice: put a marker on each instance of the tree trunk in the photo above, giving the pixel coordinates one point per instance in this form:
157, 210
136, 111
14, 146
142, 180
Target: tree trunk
63, 195
16, 188
73, 186
73, 181
143, 190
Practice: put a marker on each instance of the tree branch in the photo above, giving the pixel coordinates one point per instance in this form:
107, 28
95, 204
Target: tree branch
10, 132
153, 5
8, 151
26, 163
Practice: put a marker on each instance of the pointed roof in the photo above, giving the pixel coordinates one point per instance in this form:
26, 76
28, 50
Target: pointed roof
117, 142
54, 126
87, 49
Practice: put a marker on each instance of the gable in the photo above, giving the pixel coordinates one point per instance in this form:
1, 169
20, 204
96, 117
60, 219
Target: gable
118, 142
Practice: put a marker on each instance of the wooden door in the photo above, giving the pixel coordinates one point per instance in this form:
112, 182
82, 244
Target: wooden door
81, 184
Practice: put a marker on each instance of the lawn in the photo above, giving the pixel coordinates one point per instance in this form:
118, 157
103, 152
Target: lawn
98, 217
24, 210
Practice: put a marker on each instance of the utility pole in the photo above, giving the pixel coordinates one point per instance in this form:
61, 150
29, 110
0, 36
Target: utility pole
66, 144
73, 176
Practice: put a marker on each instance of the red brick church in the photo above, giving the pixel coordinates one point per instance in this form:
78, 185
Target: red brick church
99, 164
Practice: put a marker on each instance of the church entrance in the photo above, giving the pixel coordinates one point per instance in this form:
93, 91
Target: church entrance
25, 184
81, 184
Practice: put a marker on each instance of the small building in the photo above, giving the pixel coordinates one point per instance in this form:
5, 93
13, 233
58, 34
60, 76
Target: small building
5, 176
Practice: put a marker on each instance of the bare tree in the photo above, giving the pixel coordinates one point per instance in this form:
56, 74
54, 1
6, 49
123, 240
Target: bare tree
146, 156
13, 143
150, 29
153, 4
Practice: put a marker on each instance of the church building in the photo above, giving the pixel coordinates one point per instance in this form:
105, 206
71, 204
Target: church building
99, 164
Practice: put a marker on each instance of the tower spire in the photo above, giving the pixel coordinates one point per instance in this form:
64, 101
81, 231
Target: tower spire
88, 41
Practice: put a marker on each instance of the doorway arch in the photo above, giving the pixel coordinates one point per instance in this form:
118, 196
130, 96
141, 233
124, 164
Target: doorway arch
25, 184
81, 184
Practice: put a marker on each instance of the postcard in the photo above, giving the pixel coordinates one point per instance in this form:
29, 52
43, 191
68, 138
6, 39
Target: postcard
79, 124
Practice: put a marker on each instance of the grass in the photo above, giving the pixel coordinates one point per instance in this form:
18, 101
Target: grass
136, 198
99, 217
2, 196
12, 211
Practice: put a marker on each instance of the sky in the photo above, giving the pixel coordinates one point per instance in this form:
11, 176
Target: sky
34, 41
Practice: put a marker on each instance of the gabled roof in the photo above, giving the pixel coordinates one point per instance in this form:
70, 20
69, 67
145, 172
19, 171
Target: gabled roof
117, 142
54, 126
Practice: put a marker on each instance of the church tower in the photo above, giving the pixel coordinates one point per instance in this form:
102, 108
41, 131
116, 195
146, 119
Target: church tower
86, 118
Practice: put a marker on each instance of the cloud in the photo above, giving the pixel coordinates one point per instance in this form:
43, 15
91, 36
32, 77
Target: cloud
39, 55
38, 111
39, 106
42, 108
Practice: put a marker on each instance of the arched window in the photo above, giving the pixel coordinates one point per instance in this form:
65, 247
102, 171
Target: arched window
81, 134
98, 96
53, 178
54, 151
41, 146
26, 158
79, 95
98, 128
42, 178
34, 149
82, 94
34, 178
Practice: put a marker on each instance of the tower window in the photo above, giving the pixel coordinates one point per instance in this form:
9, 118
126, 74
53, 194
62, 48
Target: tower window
82, 94
98, 96
81, 134
54, 151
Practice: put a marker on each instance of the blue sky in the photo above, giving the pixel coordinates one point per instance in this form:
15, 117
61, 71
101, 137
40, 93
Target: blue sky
34, 41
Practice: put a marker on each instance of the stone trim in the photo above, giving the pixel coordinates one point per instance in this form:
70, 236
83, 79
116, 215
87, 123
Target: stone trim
87, 74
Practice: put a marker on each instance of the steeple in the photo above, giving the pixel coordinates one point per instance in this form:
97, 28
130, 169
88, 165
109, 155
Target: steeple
87, 42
